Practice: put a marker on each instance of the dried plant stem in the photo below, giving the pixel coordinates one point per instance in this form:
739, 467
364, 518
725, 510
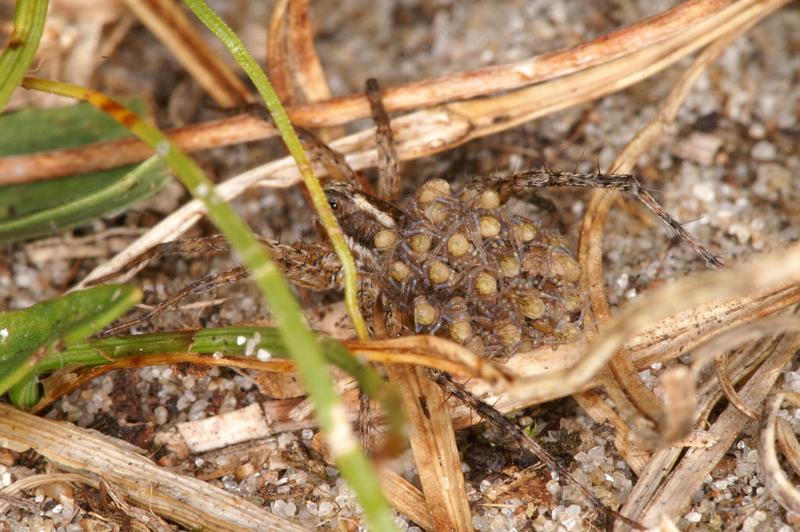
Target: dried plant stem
186, 500
674, 495
694, 22
768, 271
433, 444
776, 481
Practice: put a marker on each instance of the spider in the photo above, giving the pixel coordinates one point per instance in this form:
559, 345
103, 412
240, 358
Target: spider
454, 263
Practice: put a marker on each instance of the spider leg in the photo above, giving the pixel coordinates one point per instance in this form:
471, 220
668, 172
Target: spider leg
509, 185
206, 245
388, 167
312, 266
205, 284
499, 421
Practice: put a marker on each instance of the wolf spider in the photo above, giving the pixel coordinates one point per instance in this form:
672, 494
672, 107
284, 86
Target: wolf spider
454, 264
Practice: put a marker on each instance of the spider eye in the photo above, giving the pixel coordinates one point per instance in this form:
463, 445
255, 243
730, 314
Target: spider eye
334, 204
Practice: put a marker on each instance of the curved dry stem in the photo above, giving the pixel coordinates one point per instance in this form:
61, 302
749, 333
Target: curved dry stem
431, 352
721, 368
495, 374
277, 63
788, 444
671, 477
718, 347
591, 242
769, 270
677, 414
778, 484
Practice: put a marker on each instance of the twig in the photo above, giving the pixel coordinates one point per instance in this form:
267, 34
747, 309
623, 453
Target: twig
694, 19
185, 500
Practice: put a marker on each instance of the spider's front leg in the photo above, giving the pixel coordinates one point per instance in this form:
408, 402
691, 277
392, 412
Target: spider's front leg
312, 266
519, 181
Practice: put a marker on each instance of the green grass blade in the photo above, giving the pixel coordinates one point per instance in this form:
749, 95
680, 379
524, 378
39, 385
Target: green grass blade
117, 190
289, 136
29, 20
299, 340
27, 335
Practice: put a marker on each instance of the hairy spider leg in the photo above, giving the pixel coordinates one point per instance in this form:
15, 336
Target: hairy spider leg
517, 182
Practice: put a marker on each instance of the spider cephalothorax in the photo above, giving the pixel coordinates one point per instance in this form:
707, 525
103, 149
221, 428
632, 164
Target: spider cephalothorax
460, 265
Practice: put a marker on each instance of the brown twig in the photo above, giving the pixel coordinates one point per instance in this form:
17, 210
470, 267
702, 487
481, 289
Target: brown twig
778, 484
433, 444
689, 20
277, 64
185, 500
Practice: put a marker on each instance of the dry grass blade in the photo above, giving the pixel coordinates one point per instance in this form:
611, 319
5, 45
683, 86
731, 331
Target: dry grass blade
788, 444
718, 347
146, 520
673, 496
778, 484
433, 444
35, 481
626, 383
662, 462
721, 368
547, 66
682, 332
170, 24
399, 352
677, 419
405, 498
768, 271
188, 501
305, 64
658, 343
650, 45
306, 68
439, 348
277, 64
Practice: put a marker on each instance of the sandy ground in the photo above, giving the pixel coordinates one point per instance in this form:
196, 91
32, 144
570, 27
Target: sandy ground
740, 200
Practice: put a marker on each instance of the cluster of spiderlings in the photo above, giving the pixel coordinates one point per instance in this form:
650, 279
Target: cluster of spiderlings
462, 267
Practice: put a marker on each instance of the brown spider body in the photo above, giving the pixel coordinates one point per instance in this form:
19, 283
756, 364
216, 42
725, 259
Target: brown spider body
459, 265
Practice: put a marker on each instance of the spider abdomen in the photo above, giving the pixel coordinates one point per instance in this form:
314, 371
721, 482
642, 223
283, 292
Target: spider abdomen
463, 267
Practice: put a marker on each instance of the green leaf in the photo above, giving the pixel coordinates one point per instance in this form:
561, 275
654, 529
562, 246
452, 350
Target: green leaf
29, 19
35, 209
29, 334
